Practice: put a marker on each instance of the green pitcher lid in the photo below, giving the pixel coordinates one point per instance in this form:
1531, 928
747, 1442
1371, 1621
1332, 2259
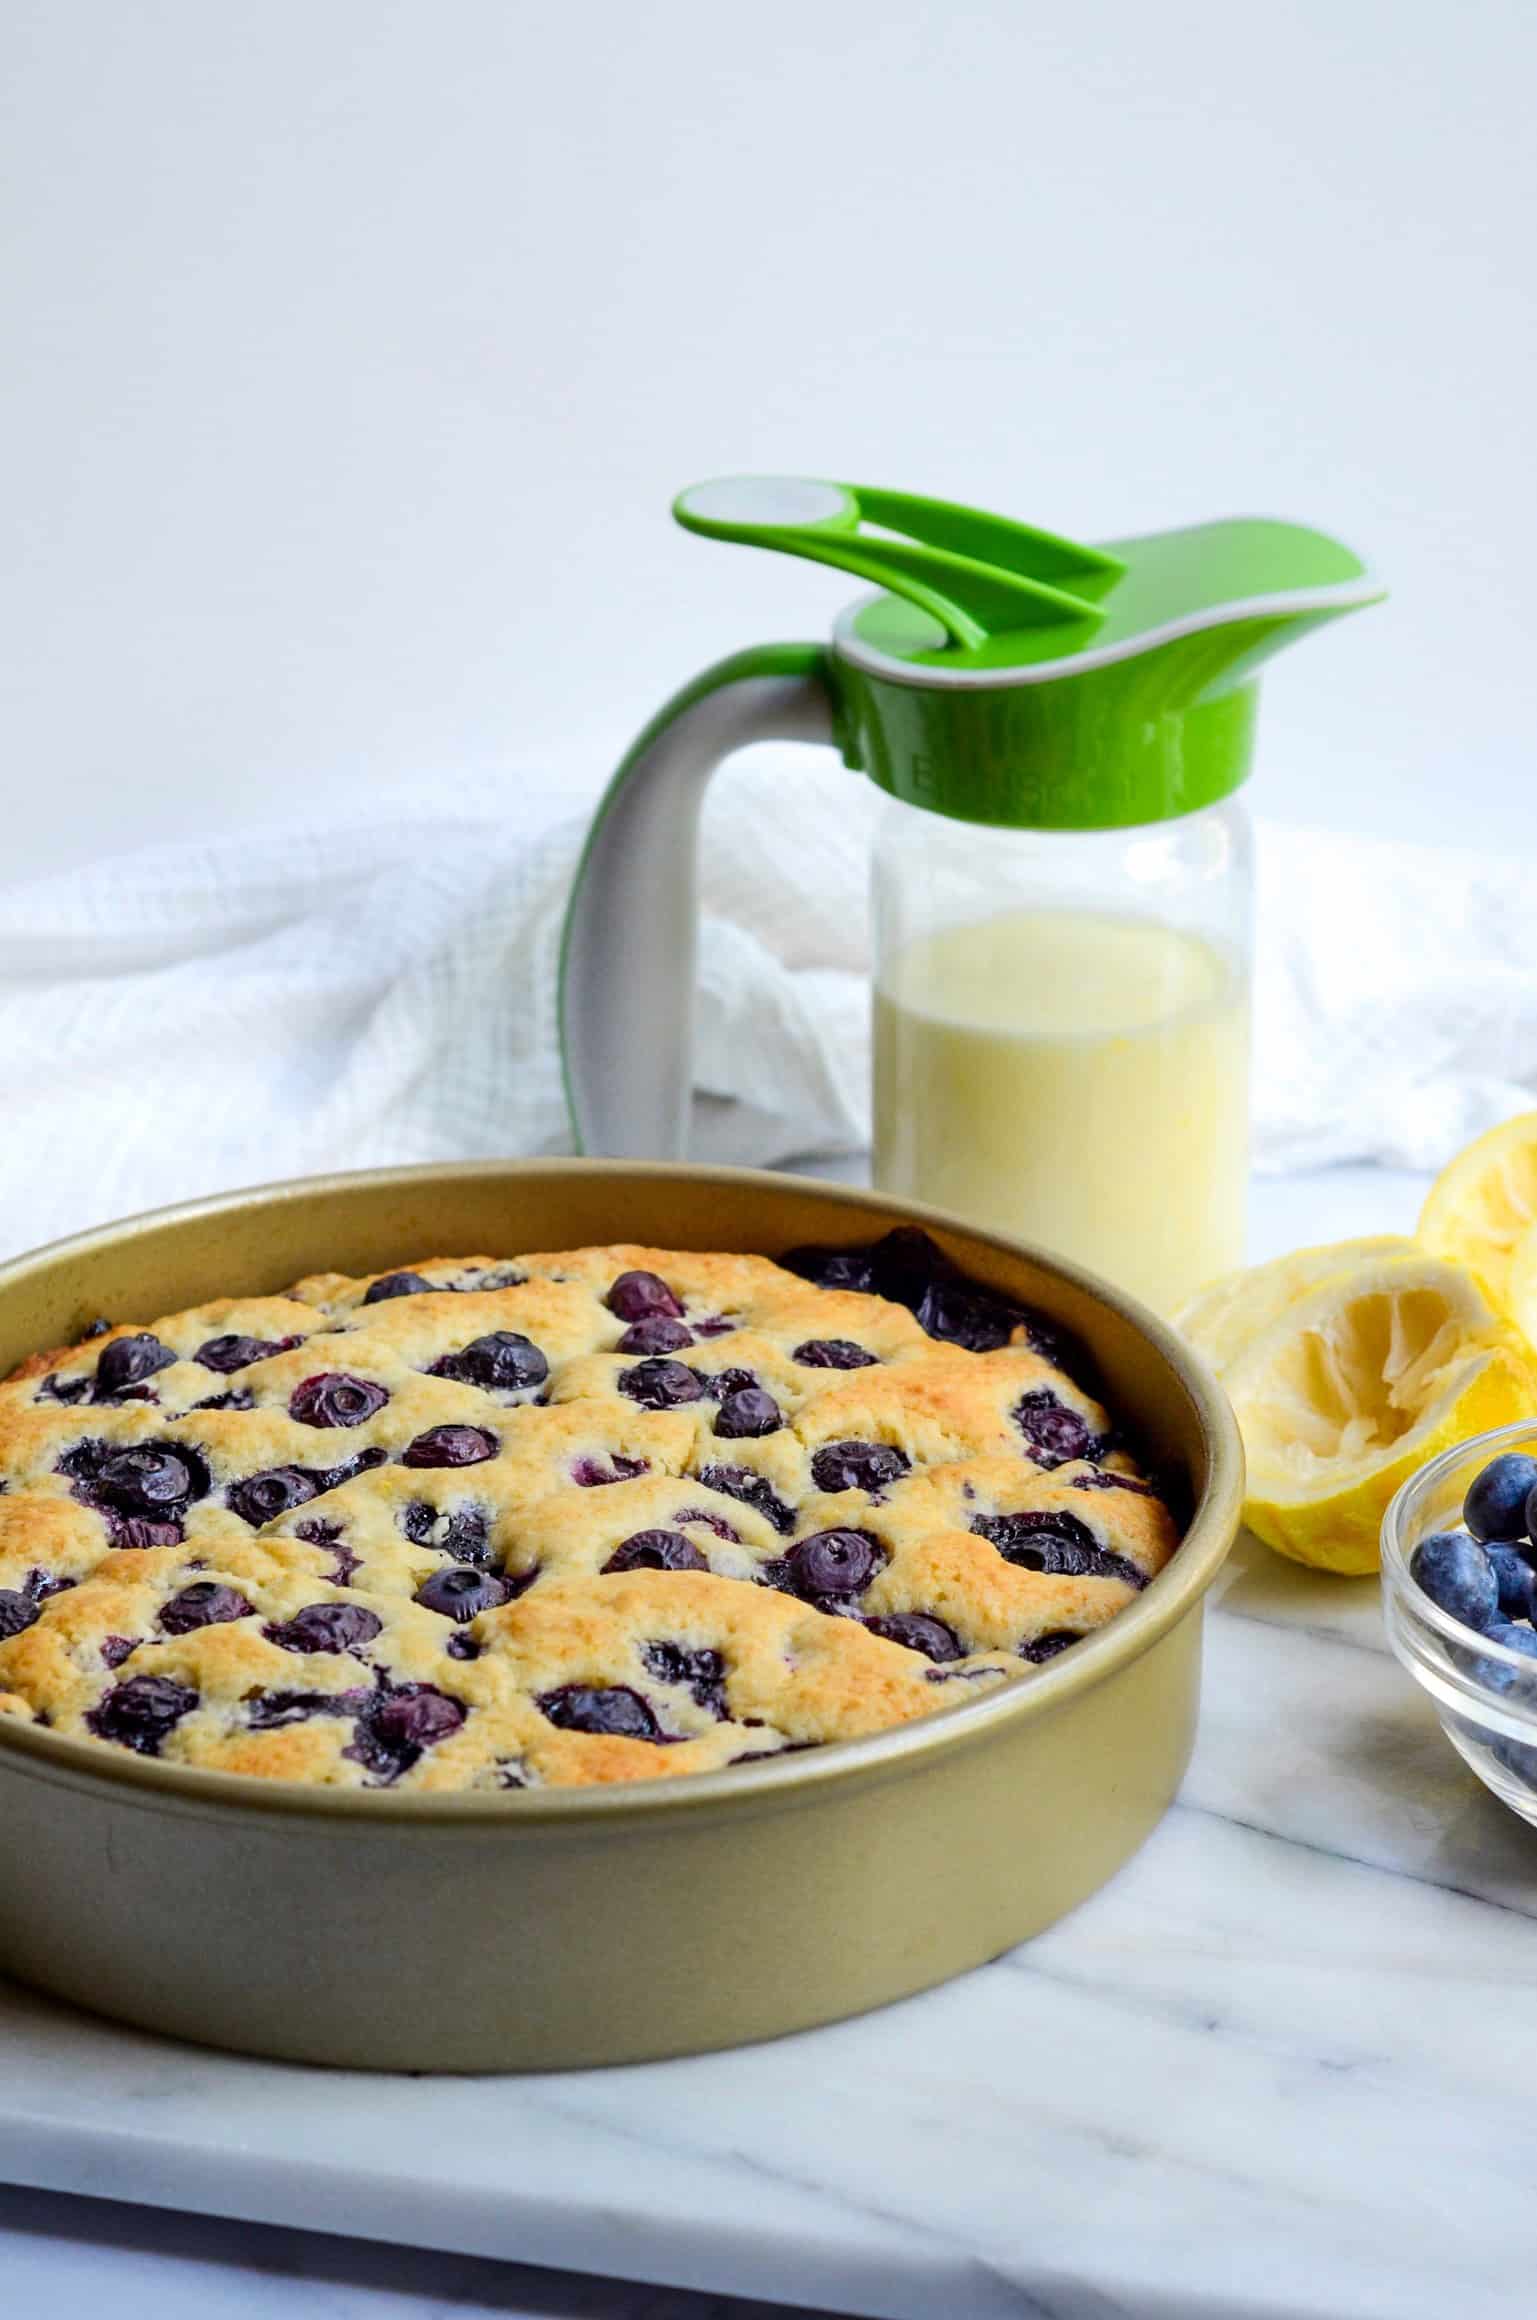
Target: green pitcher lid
1043, 628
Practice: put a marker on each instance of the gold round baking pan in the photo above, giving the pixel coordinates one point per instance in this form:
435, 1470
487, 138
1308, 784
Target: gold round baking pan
543, 1930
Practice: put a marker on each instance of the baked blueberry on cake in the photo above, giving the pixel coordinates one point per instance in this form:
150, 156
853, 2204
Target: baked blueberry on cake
600, 1515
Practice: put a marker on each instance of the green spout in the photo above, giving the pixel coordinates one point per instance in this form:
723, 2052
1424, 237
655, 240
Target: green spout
1012, 676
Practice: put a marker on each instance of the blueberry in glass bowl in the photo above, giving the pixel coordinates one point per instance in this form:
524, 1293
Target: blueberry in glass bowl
1459, 1585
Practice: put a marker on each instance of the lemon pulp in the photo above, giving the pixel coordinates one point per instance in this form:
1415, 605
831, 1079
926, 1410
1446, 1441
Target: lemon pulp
1354, 1386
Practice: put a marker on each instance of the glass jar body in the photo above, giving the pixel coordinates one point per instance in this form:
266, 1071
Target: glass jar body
1061, 1036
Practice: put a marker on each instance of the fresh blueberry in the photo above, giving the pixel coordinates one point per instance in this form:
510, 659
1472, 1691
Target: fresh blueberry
204, 1604
836, 1562
226, 1354
1045, 1539
333, 1398
607, 1709
656, 1551
450, 1446
1495, 1507
502, 1362
918, 1631
141, 1713
748, 1413
150, 1481
661, 1385
396, 1285
395, 1727
754, 1490
1495, 1675
461, 1594
127, 1362
660, 1334
140, 1493
641, 1296
261, 1498
1053, 1431
833, 1353
1514, 1579
866, 1466
327, 1627
1455, 1572
703, 1672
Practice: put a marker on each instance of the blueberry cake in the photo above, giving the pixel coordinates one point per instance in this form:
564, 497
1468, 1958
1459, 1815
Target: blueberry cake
602, 1515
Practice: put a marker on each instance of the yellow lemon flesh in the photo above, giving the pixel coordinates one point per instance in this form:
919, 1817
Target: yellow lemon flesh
1351, 1389
1223, 1321
1521, 1285
1482, 1205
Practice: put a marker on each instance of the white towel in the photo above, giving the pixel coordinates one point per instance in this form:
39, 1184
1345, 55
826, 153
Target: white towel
210, 1014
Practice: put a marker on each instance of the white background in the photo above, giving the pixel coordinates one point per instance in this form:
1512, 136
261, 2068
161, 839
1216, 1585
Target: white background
354, 349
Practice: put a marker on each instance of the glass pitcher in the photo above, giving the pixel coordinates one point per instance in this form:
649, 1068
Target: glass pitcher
1062, 892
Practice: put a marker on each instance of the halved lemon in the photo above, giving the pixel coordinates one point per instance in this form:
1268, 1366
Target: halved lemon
1223, 1321
1354, 1386
1483, 1204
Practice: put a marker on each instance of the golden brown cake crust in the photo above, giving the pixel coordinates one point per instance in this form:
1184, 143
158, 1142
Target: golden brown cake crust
590, 1515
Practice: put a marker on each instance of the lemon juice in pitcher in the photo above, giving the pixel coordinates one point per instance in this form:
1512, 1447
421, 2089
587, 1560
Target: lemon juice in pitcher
1079, 1080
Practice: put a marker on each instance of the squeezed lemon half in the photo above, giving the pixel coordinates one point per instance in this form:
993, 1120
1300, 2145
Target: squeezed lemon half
1483, 1205
1226, 1318
1354, 1384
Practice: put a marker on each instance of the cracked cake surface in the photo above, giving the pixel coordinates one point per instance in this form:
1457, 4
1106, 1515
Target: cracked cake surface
597, 1515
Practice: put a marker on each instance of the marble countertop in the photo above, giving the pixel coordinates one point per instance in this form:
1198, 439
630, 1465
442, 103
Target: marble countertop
1268, 2072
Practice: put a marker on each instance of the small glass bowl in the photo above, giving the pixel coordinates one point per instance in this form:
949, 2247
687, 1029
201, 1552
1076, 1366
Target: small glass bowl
1484, 1694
